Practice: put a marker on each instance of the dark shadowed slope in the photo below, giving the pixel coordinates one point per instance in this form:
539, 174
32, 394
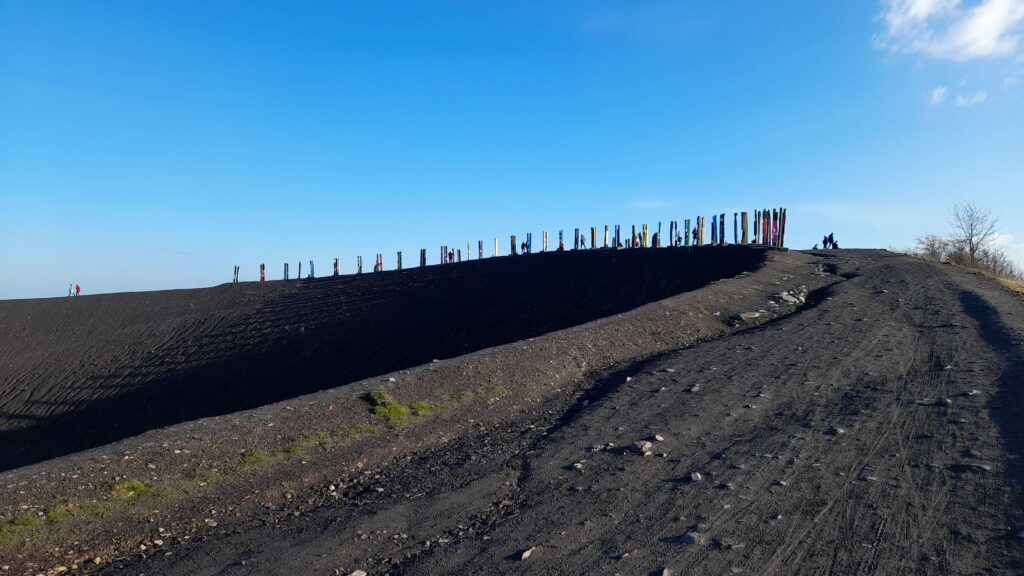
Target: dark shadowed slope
877, 431
77, 373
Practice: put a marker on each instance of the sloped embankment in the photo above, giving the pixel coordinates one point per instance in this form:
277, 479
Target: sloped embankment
83, 372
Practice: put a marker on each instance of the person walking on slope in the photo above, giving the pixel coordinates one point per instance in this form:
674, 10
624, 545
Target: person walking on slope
70, 288
78, 290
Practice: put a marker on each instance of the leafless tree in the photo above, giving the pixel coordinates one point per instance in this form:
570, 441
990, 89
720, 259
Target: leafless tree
932, 246
973, 228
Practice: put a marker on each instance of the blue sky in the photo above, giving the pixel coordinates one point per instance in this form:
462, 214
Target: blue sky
149, 145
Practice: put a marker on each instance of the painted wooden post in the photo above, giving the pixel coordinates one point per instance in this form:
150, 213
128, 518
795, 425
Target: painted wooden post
593, 237
606, 237
285, 270
529, 242
721, 230
495, 247
312, 270
782, 237
234, 278
714, 229
735, 228
359, 264
686, 232
657, 243
299, 275
336, 267
645, 240
743, 228
513, 252
561, 240
423, 256
458, 255
545, 248
479, 249
576, 240
634, 240
399, 259
263, 272
618, 236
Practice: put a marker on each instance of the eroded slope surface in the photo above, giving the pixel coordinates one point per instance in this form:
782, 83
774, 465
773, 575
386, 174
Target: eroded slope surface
876, 431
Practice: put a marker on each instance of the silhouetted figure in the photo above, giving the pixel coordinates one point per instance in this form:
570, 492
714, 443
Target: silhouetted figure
831, 241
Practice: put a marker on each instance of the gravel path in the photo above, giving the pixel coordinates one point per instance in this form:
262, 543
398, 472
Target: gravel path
876, 431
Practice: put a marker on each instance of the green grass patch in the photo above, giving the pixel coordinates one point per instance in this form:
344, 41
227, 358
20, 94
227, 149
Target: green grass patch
395, 413
10, 533
60, 514
255, 457
366, 429
127, 489
421, 408
26, 521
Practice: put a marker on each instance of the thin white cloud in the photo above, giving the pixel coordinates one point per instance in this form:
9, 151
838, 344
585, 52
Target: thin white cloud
1013, 248
952, 29
939, 95
971, 99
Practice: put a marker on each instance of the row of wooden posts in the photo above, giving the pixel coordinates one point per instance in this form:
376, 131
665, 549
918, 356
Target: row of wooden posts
769, 229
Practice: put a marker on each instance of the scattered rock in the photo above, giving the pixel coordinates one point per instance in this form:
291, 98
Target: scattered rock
526, 553
691, 538
780, 483
695, 389
659, 438
745, 316
726, 544
695, 477
972, 393
577, 466
836, 431
641, 447
666, 572
360, 572
789, 297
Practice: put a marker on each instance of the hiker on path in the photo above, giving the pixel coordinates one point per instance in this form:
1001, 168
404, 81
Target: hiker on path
78, 290
694, 236
583, 243
824, 243
831, 241
70, 288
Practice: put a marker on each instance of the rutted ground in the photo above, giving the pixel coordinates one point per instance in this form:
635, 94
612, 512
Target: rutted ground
206, 479
876, 431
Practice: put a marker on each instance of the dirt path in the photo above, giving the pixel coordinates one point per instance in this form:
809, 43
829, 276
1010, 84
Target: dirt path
876, 431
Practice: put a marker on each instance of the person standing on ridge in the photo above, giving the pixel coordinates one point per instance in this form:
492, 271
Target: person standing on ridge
78, 290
